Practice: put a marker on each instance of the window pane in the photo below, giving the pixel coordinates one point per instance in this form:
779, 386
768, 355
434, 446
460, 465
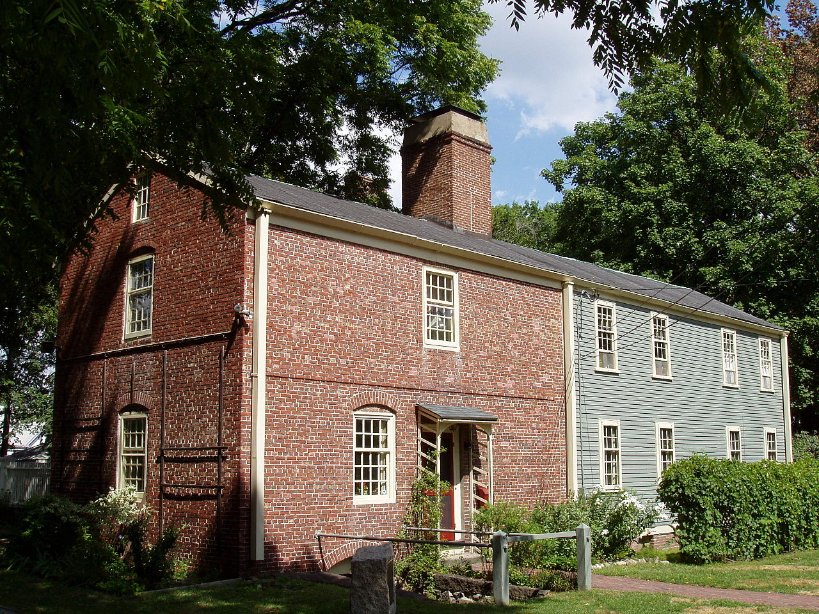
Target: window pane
371, 457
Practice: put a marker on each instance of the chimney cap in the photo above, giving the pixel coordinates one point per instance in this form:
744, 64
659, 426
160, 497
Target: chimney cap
442, 110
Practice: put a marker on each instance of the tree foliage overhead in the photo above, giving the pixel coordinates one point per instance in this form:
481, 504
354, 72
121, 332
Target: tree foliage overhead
528, 224
626, 35
298, 90
799, 42
672, 188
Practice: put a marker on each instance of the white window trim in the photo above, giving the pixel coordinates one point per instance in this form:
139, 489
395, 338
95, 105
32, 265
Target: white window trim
657, 427
728, 431
141, 177
723, 332
126, 316
120, 434
770, 431
763, 341
597, 366
455, 344
655, 314
390, 496
603, 485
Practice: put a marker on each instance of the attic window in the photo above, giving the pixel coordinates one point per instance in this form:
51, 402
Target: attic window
142, 196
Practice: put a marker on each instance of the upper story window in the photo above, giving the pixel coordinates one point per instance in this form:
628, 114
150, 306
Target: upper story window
142, 197
734, 441
610, 472
133, 449
730, 368
765, 365
660, 345
665, 446
606, 325
440, 309
770, 444
139, 290
373, 457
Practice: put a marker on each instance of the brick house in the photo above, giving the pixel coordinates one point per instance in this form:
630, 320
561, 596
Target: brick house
289, 376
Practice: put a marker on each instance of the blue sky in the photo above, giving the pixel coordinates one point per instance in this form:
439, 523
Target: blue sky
548, 83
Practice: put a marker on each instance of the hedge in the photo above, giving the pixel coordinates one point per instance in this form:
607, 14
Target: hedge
730, 510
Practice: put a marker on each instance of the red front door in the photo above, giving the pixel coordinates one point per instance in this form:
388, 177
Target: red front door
447, 463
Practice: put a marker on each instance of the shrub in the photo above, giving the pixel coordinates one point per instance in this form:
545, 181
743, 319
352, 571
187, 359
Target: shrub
728, 510
616, 519
100, 544
805, 445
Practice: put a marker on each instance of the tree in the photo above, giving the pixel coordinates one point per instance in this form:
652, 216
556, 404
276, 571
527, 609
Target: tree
671, 188
27, 370
626, 35
526, 224
298, 90
799, 42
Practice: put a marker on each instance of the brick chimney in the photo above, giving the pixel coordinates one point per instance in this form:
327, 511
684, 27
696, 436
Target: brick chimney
445, 163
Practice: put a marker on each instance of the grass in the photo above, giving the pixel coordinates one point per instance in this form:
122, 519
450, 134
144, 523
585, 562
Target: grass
25, 594
794, 572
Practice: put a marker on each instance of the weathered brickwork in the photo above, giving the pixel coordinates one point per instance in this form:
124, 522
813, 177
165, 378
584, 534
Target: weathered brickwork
447, 177
171, 375
344, 332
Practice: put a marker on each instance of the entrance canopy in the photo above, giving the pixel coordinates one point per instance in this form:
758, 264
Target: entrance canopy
448, 415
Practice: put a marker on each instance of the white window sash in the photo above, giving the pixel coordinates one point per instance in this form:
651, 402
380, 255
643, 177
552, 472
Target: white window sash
142, 197
611, 460
132, 456
771, 451
139, 300
441, 316
733, 435
660, 347
372, 459
765, 365
605, 326
666, 447
730, 366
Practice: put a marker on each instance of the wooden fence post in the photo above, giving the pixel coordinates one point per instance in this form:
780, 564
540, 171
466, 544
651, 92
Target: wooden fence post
500, 568
583, 558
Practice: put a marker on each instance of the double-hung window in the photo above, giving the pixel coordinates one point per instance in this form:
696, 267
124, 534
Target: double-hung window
440, 309
142, 197
133, 451
606, 328
730, 368
373, 457
765, 365
665, 446
660, 345
770, 444
610, 471
139, 296
734, 441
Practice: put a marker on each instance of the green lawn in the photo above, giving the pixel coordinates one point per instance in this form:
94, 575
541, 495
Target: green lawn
795, 572
25, 594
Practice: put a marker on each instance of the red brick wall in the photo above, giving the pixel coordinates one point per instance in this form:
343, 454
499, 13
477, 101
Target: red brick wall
198, 277
345, 330
448, 177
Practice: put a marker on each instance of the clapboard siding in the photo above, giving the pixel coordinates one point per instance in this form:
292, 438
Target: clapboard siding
695, 400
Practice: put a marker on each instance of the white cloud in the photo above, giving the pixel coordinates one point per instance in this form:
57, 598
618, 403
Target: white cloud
547, 74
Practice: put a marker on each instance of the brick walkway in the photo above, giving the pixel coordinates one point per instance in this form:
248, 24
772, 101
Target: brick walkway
782, 600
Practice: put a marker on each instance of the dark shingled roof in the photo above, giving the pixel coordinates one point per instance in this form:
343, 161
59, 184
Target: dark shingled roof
460, 414
316, 202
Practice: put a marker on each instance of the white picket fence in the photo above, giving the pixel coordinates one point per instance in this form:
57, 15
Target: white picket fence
20, 481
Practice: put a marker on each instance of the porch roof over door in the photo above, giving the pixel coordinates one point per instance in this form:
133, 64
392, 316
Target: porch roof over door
457, 415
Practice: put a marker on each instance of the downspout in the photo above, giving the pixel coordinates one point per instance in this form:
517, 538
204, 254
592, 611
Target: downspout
570, 396
259, 387
786, 398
